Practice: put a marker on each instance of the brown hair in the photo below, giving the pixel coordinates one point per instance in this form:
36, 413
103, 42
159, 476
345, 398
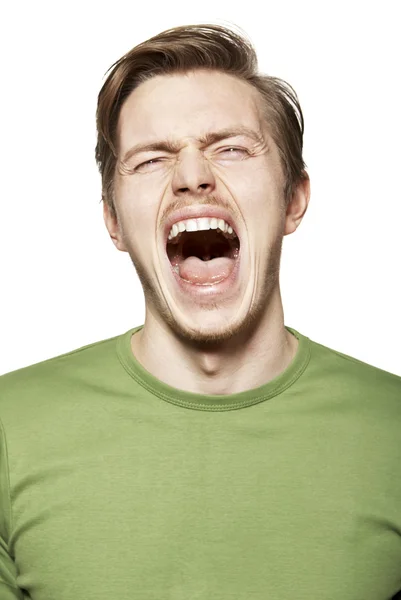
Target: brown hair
187, 48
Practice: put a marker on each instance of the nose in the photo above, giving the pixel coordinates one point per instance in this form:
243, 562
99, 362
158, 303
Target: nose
192, 175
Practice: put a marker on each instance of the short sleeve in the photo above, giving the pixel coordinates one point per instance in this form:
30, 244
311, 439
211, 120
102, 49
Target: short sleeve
8, 570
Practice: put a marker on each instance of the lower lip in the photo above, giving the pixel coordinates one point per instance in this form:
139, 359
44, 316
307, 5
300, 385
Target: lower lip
205, 291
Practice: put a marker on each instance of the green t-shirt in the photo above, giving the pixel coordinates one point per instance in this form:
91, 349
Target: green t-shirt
116, 486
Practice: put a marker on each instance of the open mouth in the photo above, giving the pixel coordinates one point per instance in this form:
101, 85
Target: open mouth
203, 257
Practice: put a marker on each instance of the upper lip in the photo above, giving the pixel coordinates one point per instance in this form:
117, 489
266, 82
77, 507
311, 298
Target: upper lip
194, 212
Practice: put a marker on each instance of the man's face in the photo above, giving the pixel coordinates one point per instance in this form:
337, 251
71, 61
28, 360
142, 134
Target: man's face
203, 285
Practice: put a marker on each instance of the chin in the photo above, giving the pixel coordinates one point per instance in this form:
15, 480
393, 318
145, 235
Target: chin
212, 327
228, 311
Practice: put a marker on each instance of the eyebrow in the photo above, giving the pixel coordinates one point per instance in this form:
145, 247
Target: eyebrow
204, 140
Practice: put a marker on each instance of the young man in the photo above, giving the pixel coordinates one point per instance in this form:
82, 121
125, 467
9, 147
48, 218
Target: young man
212, 452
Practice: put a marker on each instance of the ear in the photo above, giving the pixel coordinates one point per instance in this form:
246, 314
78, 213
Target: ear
113, 227
297, 206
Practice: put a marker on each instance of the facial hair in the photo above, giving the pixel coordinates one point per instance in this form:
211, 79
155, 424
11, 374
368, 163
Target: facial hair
156, 304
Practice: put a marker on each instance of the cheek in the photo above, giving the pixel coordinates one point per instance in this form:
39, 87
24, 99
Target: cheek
254, 191
259, 197
138, 206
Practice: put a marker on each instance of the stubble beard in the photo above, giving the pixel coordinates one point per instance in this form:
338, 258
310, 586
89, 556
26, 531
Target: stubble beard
201, 338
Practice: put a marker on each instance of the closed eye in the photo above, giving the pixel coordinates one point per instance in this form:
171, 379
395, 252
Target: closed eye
148, 162
232, 150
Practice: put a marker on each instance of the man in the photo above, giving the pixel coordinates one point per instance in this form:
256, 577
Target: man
212, 452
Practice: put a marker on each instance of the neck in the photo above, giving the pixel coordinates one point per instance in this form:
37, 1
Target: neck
235, 366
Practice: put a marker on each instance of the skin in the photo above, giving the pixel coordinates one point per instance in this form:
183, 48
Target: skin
215, 345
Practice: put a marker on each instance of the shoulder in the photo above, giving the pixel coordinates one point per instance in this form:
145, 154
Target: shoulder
23, 386
350, 374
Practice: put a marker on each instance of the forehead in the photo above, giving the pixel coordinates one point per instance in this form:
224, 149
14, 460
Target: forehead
182, 105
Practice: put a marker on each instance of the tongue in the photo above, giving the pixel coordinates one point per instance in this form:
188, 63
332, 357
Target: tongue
201, 272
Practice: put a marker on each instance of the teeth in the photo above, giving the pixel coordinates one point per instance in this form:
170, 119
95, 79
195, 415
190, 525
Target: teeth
203, 224
200, 224
190, 225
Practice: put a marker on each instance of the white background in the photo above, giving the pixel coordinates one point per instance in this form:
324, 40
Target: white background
63, 283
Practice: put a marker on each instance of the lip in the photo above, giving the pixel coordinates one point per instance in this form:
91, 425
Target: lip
194, 212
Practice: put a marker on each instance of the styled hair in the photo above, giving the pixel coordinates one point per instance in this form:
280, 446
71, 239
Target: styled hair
187, 48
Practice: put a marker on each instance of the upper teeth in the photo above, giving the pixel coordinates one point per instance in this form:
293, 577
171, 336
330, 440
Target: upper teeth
199, 225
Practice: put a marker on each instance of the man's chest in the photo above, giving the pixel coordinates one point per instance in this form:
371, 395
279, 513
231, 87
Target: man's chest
178, 517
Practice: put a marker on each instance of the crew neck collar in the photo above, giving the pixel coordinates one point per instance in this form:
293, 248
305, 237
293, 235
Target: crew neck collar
213, 402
